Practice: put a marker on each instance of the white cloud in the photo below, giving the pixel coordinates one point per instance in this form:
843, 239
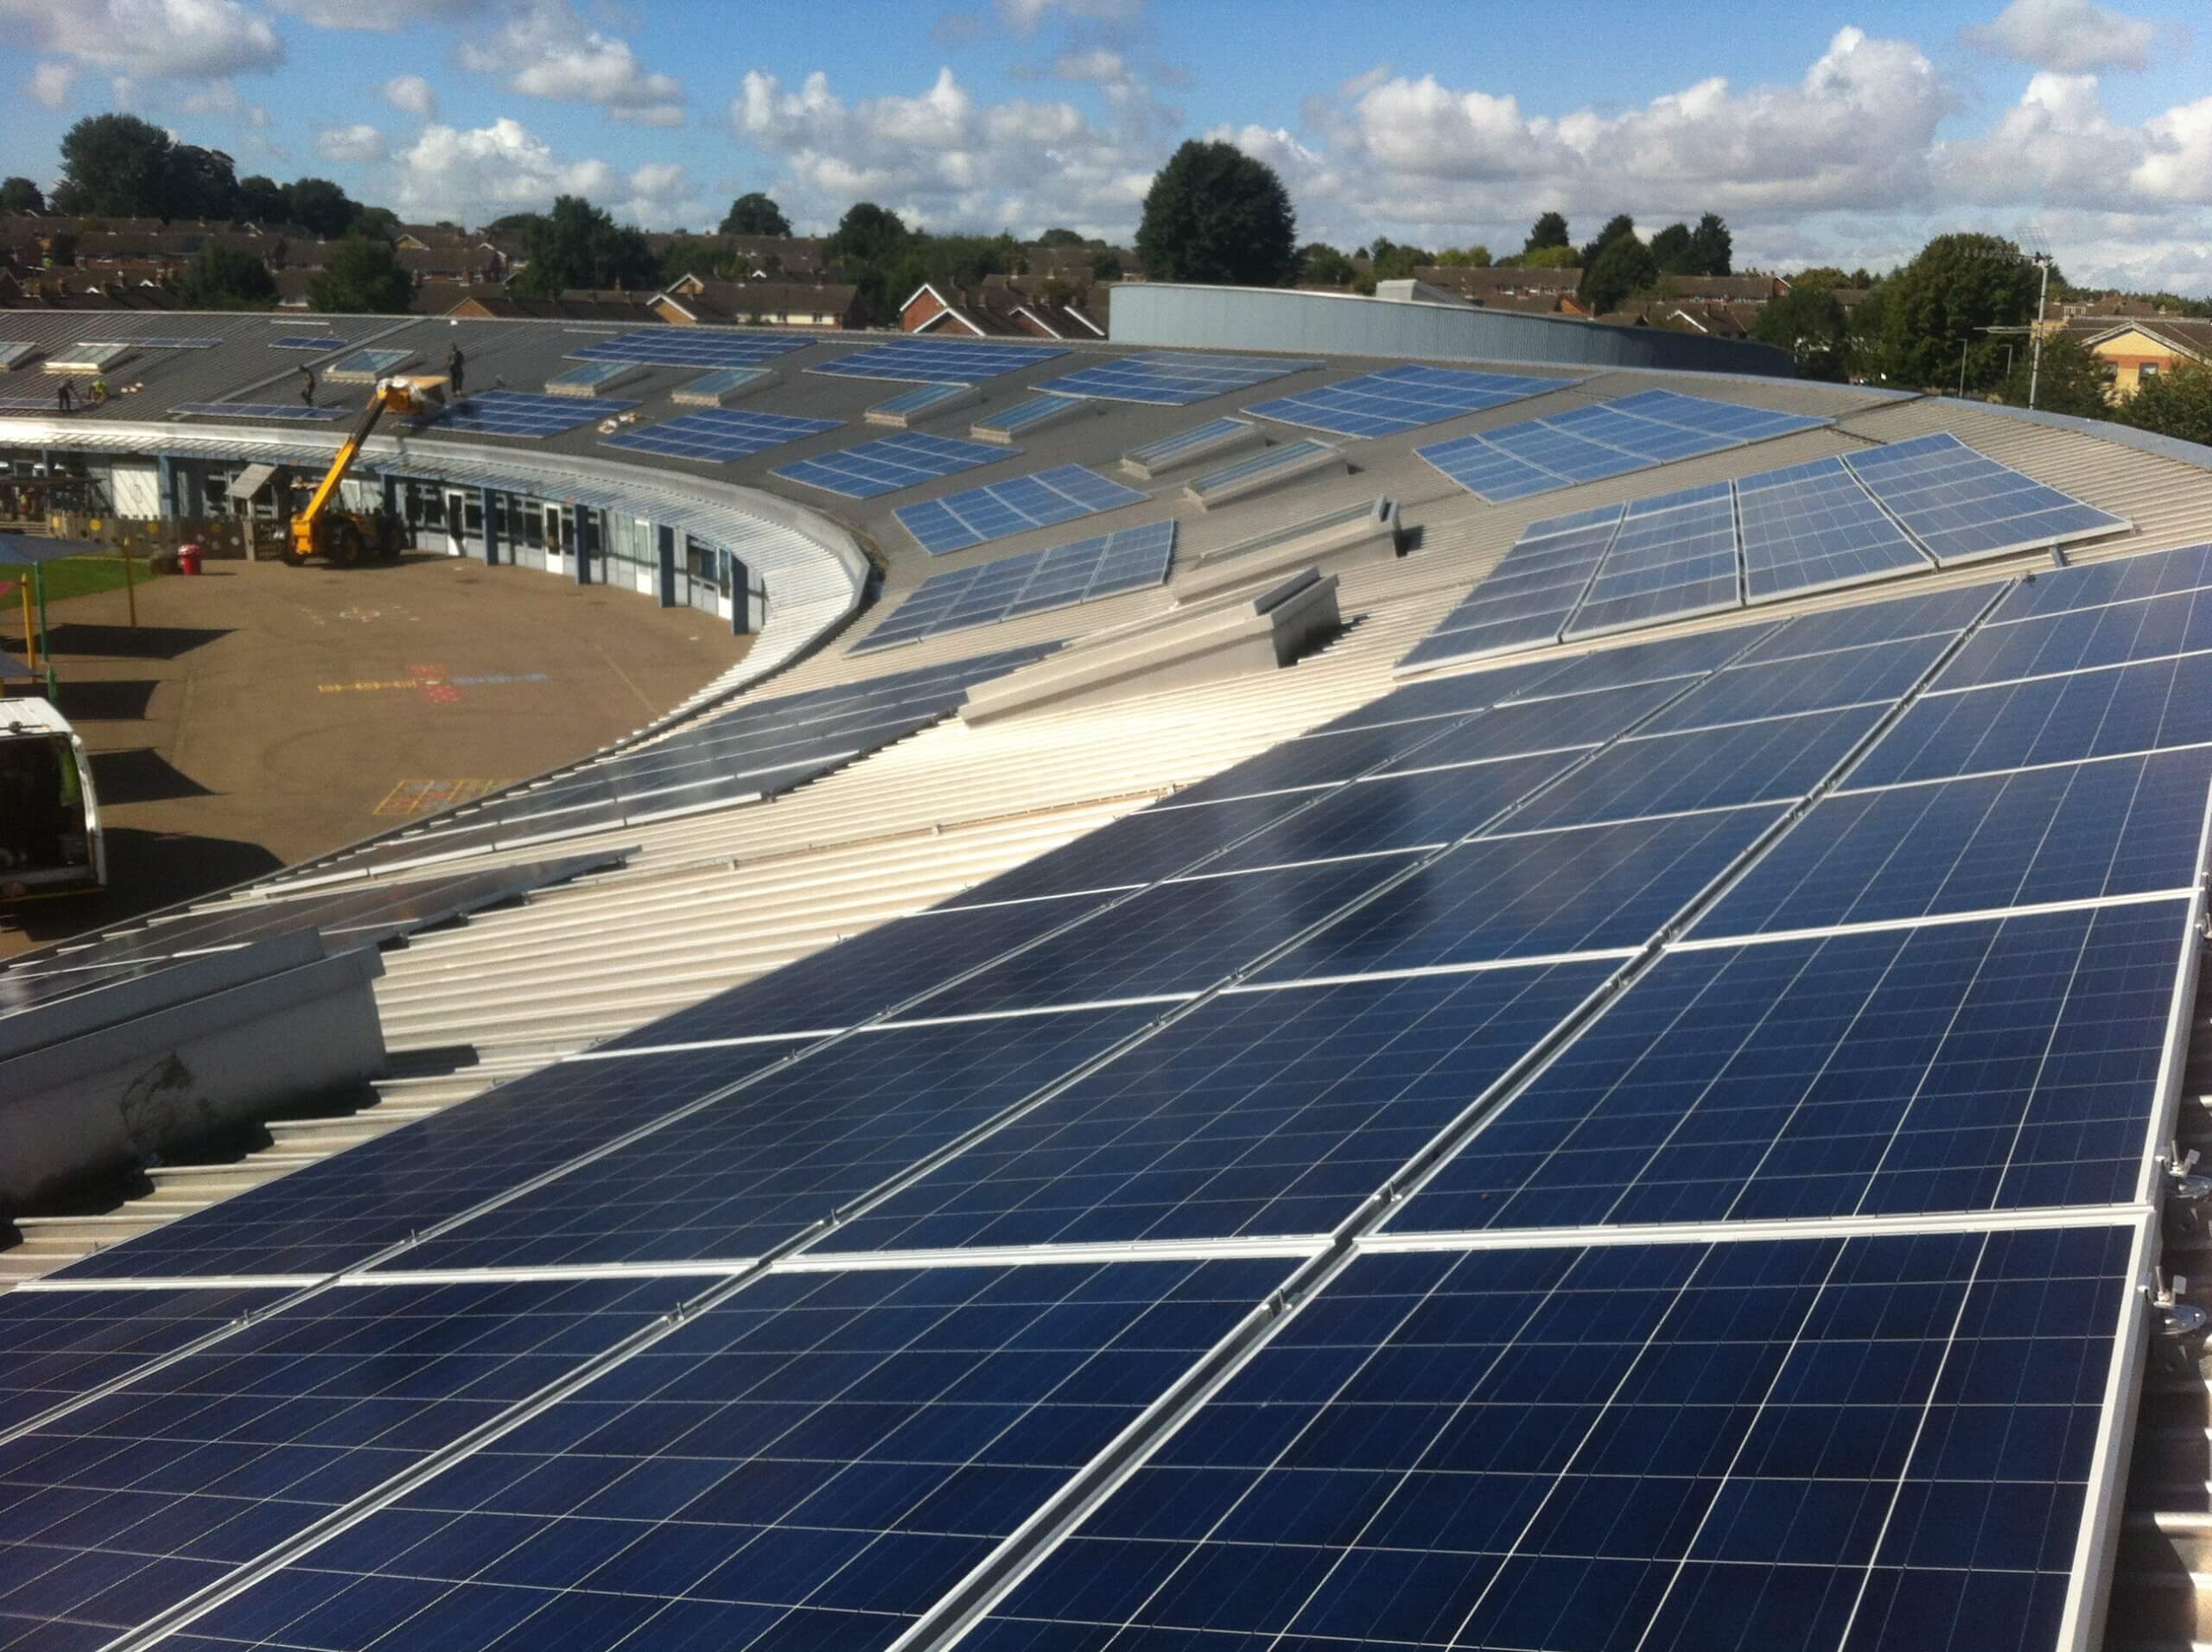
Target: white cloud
148, 40
412, 93
547, 51
2056, 147
468, 176
2178, 166
384, 16
2069, 37
50, 82
221, 98
1026, 16
357, 143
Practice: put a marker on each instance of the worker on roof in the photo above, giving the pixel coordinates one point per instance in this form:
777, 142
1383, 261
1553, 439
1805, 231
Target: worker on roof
64, 397
456, 365
307, 385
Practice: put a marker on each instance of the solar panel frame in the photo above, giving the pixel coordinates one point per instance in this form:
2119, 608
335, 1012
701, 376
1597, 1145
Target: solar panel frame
1082, 570
886, 464
718, 436
2078, 639
1043, 499
1172, 380
1946, 493
692, 346
1812, 527
521, 415
937, 360
1397, 399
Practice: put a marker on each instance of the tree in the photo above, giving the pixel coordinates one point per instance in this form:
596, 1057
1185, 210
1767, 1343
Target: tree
868, 233
754, 214
1105, 266
1548, 230
2070, 380
1939, 306
1623, 268
203, 183
1712, 248
2179, 404
320, 207
1320, 264
1670, 250
22, 195
1808, 322
363, 277
1392, 262
1060, 237
261, 201
1216, 214
688, 254
1619, 226
515, 223
578, 245
1463, 258
1548, 258
224, 278
379, 221
114, 166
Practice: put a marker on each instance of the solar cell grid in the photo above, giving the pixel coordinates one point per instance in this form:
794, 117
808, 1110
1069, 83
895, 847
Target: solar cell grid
1612, 668
1084, 570
1546, 725
2082, 638
1173, 380
692, 346
1962, 506
1879, 674
1944, 612
1482, 637
2123, 579
519, 413
1401, 398
308, 342
717, 436
1984, 1066
58, 1346
889, 463
1626, 1446
1812, 527
977, 515
937, 360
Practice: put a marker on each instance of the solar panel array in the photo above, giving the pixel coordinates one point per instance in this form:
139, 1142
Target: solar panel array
1173, 380
937, 360
519, 413
692, 346
165, 342
1084, 570
1611, 438
976, 515
308, 342
1401, 398
889, 463
1570, 1156
717, 436
757, 750
365, 365
288, 412
1780, 533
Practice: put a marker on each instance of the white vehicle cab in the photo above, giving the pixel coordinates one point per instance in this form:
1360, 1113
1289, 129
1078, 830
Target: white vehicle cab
49, 819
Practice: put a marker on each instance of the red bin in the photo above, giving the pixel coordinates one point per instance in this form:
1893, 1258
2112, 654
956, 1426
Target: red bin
187, 559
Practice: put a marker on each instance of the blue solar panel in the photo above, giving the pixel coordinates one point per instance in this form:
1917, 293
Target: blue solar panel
308, 341
889, 463
2074, 639
1671, 1448
1877, 674
1673, 557
1542, 725
938, 360
58, 1346
121, 1509
810, 1463
1533, 894
519, 413
717, 436
1401, 398
1528, 598
738, 1177
1261, 1113
1608, 440
692, 346
2159, 573
1937, 612
1674, 657
1812, 527
1879, 1073
1128, 559
2047, 720
287, 412
1426, 808
977, 515
1961, 505
2076, 831
1175, 380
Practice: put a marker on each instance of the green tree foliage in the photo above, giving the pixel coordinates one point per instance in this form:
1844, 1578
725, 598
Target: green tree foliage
1670, 250
203, 183
1105, 266
1937, 307
578, 245
223, 279
1394, 261
1320, 264
1619, 226
1548, 258
22, 195
689, 255
515, 223
1713, 250
1060, 237
1549, 230
320, 207
1215, 215
261, 201
119, 166
869, 234
1808, 322
754, 214
363, 277
2179, 404
377, 220
1624, 267
1463, 258
2069, 380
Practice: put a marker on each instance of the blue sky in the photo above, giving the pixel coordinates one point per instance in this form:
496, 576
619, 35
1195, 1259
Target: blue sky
1844, 133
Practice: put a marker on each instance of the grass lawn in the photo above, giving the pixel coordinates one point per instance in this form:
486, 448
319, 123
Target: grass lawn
86, 576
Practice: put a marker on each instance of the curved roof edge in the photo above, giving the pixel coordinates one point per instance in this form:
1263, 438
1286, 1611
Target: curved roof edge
2125, 436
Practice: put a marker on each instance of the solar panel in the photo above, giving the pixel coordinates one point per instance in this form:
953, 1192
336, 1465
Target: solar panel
1674, 555
1936, 612
810, 1463
365, 365
57, 1346
1962, 506
977, 515
1726, 1084
938, 360
1877, 674
2124, 579
717, 435
693, 346
2077, 639
1628, 1446
889, 463
1173, 380
1128, 559
308, 341
1528, 598
519, 413
1812, 527
1401, 398
288, 412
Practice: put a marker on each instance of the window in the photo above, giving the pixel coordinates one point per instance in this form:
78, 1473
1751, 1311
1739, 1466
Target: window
2148, 370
